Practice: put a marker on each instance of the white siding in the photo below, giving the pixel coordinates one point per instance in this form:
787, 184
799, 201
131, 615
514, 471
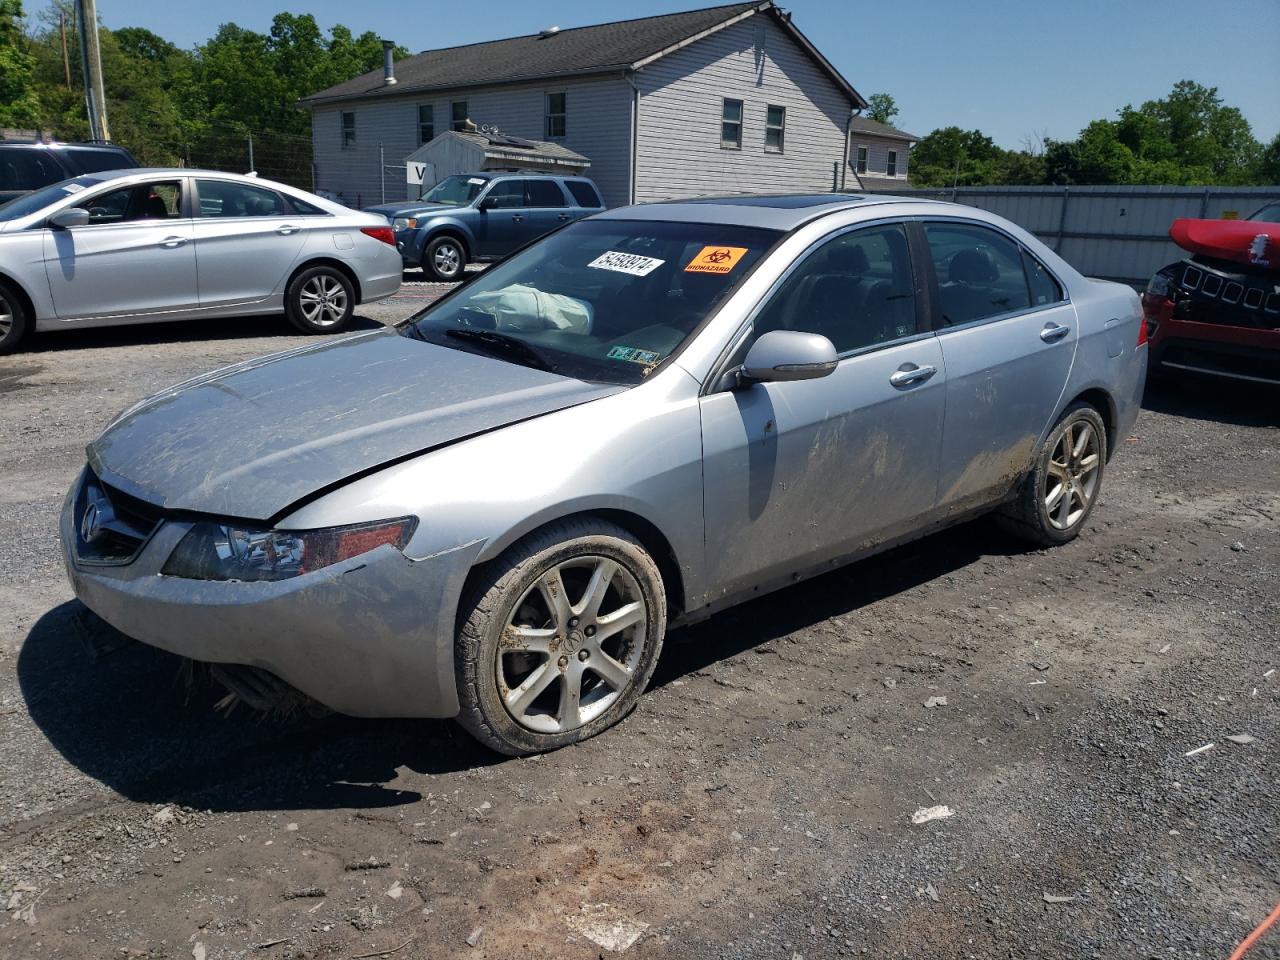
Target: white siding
679, 153
878, 155
597, 125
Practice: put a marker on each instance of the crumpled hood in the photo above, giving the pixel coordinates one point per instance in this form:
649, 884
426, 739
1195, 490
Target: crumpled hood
250, 440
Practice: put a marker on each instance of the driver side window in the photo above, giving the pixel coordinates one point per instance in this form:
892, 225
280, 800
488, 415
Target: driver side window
507, 195
143, 201
857, 290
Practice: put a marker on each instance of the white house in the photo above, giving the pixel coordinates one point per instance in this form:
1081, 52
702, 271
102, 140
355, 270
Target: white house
727, 99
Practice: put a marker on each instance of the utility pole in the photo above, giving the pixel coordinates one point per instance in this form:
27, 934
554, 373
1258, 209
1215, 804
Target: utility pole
252, 168
66, 58
95, 99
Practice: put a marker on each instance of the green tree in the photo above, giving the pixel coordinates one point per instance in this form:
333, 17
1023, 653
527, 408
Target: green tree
19, 105
1268, 169
882, 108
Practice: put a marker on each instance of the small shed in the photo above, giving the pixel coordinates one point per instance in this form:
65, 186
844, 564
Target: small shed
465, 151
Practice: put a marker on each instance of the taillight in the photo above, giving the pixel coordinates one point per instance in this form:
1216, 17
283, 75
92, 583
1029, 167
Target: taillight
385, 234
1156, 308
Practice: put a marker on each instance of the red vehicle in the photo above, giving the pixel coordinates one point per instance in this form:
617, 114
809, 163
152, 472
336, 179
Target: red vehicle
1218, 311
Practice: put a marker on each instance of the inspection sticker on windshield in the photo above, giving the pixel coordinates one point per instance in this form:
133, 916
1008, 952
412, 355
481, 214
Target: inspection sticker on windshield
715, 260
631, 263
475, 180
73, 188
633, 354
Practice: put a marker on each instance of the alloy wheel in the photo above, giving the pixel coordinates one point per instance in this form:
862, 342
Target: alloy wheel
1071, 477
447, 258
562, 662
323, 301
6, 317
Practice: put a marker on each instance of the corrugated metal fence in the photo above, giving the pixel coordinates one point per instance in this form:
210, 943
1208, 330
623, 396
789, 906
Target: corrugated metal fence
1115, 232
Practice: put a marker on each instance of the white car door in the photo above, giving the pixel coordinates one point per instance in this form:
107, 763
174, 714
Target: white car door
133, 257
247, 237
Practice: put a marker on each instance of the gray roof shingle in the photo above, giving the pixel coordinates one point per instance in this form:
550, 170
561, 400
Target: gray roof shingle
876, 129
601, 48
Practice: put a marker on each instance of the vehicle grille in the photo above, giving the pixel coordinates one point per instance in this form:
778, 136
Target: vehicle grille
119, 527
1239, 299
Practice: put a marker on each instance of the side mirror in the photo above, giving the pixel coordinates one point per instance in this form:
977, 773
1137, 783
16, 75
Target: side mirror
782, 355
488, 203
70, 217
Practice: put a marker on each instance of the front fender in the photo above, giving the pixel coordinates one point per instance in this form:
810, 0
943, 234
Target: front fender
445, 224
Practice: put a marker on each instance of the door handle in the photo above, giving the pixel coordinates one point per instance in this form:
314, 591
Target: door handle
909, 373
172, 242
1053, 332
564, 216
516, 218
287, 229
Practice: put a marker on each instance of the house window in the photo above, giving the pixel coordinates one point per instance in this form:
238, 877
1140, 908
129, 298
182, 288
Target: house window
426, 123
555, 116
862, 160
348, 129
774, 128
459, 114
731, 125
892, 169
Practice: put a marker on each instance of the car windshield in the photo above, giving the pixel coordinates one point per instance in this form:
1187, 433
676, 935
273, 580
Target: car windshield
37, 201
455, 191
601, 300
1270, 213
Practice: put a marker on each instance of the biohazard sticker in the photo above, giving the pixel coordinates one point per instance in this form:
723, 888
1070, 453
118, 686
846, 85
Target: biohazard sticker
715, 260
633, 354
631, 263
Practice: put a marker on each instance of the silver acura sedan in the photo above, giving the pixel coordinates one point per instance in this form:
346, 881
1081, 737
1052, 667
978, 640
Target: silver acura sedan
136, 246
637, 421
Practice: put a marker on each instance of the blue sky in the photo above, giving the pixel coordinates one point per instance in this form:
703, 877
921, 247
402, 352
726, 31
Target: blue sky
1011, 68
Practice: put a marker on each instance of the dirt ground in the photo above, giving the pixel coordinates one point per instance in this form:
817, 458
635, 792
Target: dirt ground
757, 804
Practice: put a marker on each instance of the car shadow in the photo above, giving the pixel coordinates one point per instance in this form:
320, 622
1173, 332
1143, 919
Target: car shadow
833, 594
183, 331
122, 712
1215, 399
134, 718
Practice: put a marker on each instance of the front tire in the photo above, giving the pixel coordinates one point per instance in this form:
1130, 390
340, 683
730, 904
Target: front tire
320, 300
1056, 498
559, 638
444, 259
14, 322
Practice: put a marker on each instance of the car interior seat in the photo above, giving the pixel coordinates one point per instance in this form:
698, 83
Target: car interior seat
154, 208
966, 295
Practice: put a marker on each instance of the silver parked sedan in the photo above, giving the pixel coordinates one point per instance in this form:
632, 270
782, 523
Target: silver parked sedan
637, 421
135, 246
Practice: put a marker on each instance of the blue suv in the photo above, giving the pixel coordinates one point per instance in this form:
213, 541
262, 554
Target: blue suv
479, 217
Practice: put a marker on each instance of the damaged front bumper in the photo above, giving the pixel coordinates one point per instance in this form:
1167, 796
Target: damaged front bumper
371, 636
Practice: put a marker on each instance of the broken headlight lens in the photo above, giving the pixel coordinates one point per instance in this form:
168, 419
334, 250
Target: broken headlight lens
219, 551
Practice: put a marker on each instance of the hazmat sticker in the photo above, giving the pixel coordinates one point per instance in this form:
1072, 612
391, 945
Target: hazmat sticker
631, 263
715, 260
633, 354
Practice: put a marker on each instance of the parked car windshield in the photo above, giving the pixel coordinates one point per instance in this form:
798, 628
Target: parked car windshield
455, 191
1270, 213
37, 201
602, 300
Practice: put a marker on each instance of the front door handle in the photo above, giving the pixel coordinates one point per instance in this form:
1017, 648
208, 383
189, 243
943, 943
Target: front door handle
287, 229
171, 242
564, 216
909, 373
1053, 332
517, 218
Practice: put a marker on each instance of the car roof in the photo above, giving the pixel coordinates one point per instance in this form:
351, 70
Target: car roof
781, 211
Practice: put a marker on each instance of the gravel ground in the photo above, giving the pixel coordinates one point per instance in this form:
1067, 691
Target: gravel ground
758, 803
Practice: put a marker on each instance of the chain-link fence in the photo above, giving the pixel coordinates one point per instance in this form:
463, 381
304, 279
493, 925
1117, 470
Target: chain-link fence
285, 157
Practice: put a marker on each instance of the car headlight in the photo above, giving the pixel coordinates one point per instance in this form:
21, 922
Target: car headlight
223, 551
404, 223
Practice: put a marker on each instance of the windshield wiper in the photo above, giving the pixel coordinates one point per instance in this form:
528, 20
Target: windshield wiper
500, 343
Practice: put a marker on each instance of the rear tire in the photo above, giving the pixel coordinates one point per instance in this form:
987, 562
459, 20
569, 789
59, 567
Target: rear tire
320, 300
14, 322
1056, 497
444, 259
559, 637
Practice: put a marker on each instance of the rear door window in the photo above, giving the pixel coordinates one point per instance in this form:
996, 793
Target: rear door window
584, 193
28, 169
1044, 288
544, 193
225, 198
980, 272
